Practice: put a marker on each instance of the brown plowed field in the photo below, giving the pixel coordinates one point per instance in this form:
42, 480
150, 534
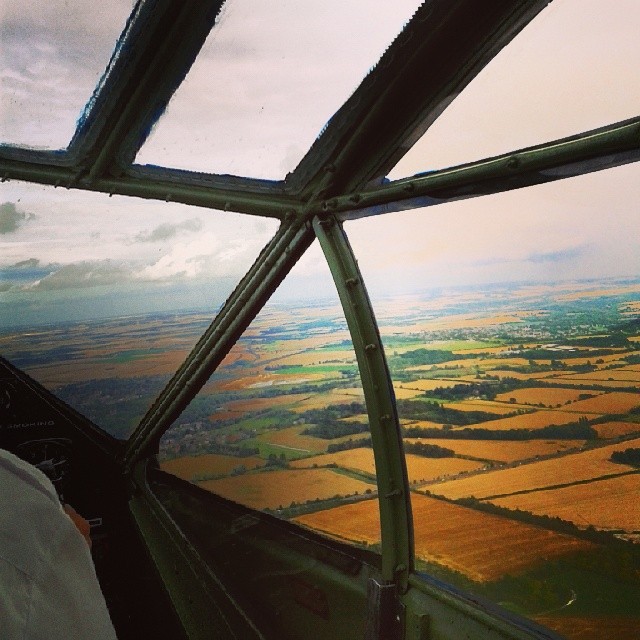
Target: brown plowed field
483, 547
573, 467
605, 504
273, 489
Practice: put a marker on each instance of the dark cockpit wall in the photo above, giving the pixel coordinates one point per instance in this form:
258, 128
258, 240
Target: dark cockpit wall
231, 563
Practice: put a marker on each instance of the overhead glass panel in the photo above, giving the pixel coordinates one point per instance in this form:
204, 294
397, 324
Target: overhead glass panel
101, 298
51, 58
269, 77
572, 69
511, 325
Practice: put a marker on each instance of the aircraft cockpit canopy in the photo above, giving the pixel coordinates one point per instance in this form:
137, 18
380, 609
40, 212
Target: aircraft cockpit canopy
331, 310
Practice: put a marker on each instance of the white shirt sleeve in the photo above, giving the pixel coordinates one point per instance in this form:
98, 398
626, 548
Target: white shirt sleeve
48, 585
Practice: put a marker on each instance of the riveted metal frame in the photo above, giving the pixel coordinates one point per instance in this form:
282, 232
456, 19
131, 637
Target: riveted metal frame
391, 471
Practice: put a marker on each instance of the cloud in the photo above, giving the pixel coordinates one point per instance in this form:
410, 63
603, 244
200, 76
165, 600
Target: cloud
83, 275
564, 255
11, 218
167, 231
31, 263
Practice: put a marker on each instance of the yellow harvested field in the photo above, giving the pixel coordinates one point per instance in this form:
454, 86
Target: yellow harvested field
430, 385
311, 357
422, 424
616, 429
483, 547
292, 438
573, 467
586, 628
505, 450
499, 408
57, 374
522, 376
581, 382
535, 420
273, 489
597, 293
356, 522
360, 459
605, 504
403, 393
419, 468
614, 402
324, 400
485, 364
607, 360
208, 464
624, 374
549, 397
422, 469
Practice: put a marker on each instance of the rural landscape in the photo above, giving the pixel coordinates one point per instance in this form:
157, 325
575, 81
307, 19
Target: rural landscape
519, 408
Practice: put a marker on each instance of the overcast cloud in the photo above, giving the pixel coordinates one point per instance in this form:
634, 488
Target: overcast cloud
11, 217
167, 231
270, 77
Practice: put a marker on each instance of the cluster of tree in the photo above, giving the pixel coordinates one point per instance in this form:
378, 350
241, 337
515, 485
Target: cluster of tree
487, 389
428, 450
614, 340
541, 353
334, 412
274, 460
349, 444
435, 412
628, 456
328, 423
580, 430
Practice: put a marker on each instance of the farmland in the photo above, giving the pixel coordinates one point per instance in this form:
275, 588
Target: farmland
511, 401
419, 469
563, 470
275, 489
442, 536
606, 504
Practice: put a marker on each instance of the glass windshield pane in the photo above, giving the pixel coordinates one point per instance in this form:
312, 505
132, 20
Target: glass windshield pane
52, 55
281, 426
267, 80
102, 298
511, 325
572, 69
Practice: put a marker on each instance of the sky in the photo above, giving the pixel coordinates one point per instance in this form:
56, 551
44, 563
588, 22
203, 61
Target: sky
261, 91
